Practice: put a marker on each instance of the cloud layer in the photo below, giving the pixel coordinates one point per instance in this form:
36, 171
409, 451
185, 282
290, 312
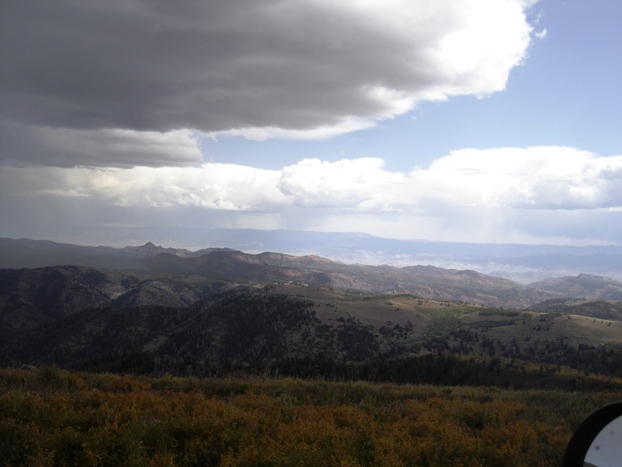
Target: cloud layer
482, 190
103, 106
529, 178
67, 147
304, 69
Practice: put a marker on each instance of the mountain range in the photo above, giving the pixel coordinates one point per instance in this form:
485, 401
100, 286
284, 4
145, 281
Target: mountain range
160, 307
425, 281
520, 263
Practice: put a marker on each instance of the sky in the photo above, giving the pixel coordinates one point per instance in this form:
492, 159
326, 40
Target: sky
484, 121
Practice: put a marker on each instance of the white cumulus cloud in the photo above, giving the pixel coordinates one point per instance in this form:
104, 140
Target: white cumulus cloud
496, 195
523, 178
547, 177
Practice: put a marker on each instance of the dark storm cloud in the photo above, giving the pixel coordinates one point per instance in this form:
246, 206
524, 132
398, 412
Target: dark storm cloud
66, 147
157, 66
221, 65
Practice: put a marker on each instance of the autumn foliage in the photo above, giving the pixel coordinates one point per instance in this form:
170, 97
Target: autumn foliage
50, 417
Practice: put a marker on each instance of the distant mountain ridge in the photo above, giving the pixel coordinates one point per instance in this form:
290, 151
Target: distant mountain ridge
523, 263
584, 286
26, 253
149, 249
224, 263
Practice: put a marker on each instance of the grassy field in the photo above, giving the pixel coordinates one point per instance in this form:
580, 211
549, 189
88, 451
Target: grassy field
51, 417
432, 318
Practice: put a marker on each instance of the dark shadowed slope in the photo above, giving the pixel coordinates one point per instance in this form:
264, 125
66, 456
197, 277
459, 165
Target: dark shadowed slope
30, 297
